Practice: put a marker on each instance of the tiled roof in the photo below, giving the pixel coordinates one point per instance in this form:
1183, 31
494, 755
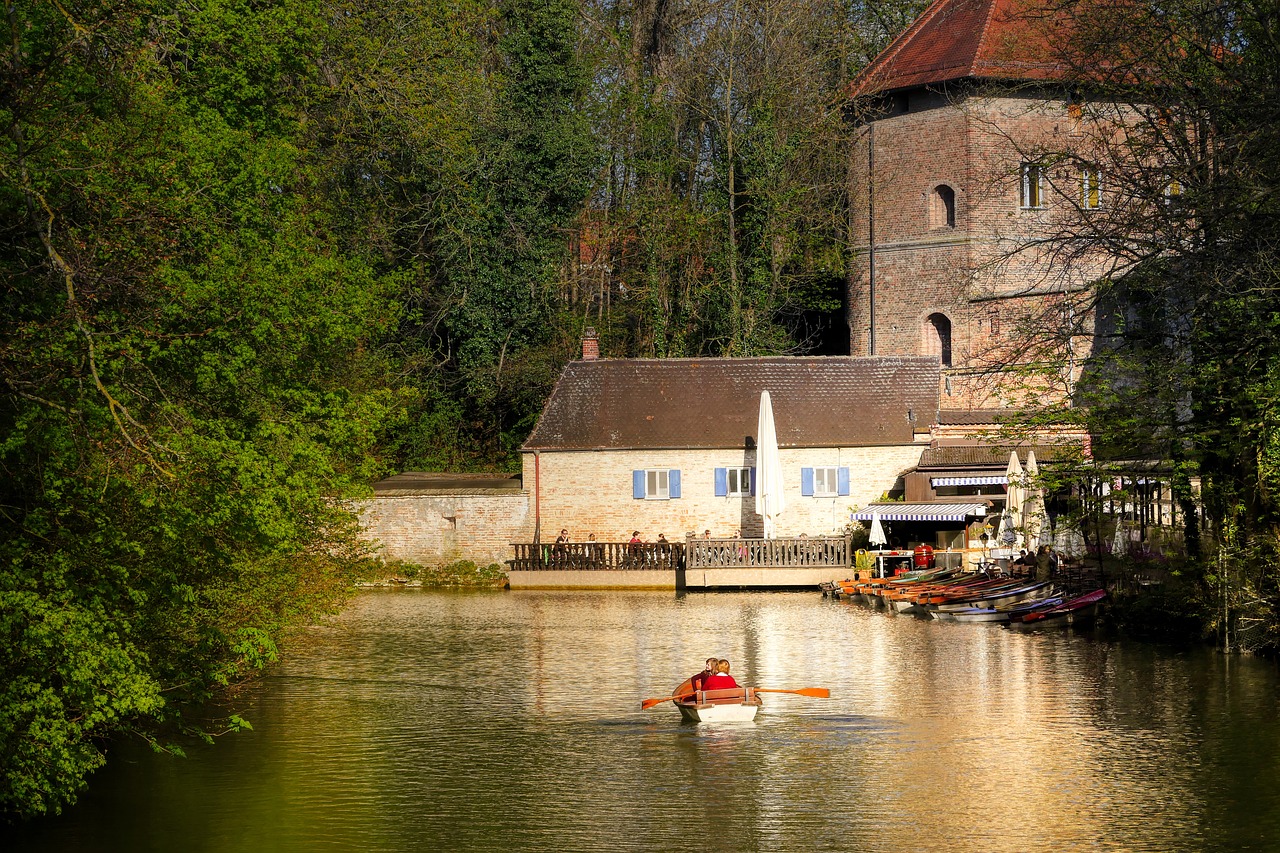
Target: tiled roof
426, 483
1010, 40
988, 456
974, 417
715, 402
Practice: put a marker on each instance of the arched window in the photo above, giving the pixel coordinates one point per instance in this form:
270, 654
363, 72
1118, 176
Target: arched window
937, 337
942, 207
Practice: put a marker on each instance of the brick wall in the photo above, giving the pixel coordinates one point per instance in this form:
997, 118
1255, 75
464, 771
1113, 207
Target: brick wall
591, 491
442, 528
970, 273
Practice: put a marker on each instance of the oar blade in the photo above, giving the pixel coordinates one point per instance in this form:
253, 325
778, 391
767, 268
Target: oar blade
649, 703
815, 692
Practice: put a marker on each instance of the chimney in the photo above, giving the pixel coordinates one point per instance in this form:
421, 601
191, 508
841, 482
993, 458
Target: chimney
590, 344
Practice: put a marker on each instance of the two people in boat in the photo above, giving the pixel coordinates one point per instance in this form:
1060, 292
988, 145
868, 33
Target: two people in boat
714, 677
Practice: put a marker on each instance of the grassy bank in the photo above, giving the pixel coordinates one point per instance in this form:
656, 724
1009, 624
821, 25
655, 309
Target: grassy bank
460, 574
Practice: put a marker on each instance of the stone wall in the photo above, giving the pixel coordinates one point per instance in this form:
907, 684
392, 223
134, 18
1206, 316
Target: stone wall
591, 491
432, 529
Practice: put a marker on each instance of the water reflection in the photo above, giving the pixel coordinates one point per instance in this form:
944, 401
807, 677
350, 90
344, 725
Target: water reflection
512, 721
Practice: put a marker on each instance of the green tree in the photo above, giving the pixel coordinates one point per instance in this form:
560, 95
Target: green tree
189, 381
1186, 357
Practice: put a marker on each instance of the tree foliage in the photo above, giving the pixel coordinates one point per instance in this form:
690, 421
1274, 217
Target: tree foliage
189, 376
1176, 101
256, 255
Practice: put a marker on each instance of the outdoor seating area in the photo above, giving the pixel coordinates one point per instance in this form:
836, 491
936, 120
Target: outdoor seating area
597, 556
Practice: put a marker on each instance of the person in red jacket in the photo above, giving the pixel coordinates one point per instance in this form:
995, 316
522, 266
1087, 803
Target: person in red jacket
722, 680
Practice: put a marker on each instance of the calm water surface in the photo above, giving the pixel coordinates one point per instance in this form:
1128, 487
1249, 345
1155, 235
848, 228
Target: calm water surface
512, 721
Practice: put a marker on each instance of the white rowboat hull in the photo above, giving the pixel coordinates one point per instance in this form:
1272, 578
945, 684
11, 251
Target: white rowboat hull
735, 713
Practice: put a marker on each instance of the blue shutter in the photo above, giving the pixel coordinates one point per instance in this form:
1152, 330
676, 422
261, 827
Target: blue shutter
806, 482
753, 481
842, 481
637, 485
722, 482
673, 483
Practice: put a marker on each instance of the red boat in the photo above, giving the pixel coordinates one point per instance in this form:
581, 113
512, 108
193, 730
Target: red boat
1071, 612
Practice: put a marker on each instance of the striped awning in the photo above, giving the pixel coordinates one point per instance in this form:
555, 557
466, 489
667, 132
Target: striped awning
984, 480
921, 512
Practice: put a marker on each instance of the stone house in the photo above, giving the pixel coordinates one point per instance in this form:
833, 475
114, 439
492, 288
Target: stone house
667, 446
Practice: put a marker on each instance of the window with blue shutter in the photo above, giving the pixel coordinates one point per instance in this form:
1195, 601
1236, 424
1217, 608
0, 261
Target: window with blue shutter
655, 484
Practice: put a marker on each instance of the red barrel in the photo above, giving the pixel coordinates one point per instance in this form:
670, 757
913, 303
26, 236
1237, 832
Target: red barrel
923, 557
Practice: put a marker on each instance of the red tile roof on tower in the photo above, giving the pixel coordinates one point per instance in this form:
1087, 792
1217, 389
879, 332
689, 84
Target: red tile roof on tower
1009, 40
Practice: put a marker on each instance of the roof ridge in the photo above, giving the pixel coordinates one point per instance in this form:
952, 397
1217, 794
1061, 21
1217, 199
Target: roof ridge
886, 56
981, 46
955, 40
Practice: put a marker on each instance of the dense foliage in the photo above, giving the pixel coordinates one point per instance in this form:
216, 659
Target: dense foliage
257, 254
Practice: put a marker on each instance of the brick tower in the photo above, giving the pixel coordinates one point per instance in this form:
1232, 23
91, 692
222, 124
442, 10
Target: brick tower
952, 188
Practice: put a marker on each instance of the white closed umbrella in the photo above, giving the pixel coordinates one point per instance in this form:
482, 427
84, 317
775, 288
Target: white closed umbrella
770, 501
1068, 540
877, 537
1035, 520
1119, 543
1008, 530
1013, 499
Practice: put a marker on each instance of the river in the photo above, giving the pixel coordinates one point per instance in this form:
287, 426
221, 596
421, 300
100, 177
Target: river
500, 721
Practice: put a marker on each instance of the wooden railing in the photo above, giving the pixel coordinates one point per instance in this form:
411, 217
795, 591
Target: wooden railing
797, 552
597, 556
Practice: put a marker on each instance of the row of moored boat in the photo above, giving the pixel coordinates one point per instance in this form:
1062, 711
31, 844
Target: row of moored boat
951, 595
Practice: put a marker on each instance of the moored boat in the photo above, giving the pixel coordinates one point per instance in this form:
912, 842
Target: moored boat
972, 614
997, 596
1075, 611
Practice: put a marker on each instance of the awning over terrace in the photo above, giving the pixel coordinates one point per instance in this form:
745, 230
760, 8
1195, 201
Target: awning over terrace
921, 512
985, 480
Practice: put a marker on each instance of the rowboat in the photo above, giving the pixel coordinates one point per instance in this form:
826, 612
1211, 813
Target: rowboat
997, 596
1022, 608
971, 614
735, 705
1073, 612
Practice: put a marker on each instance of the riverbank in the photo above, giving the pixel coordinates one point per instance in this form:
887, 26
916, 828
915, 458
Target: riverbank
460, 574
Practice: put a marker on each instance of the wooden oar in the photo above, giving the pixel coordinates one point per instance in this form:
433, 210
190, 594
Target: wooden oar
815, 692
649, 703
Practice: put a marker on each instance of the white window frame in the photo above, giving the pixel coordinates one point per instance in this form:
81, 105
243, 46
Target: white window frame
743, 476
826, 481
1090, 187
657, 484
1031, 184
